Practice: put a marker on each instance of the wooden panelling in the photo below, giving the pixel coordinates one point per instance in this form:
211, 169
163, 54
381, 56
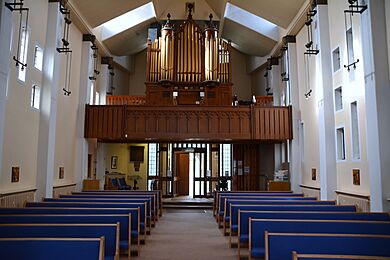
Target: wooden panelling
198, 123
126, 100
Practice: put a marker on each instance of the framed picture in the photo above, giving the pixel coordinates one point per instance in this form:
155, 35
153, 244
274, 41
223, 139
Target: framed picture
61, 172
356, 176
15, 174
313, 174
114, 162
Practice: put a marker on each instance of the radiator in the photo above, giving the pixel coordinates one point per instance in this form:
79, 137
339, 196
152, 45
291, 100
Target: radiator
17, 199
63, 190
311, 192
361, 202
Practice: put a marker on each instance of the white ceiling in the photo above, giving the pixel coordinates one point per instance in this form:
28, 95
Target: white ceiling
133, 40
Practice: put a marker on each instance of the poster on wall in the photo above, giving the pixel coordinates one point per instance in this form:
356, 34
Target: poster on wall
114, 162
15, 174
61, 172
356, 176
313, 174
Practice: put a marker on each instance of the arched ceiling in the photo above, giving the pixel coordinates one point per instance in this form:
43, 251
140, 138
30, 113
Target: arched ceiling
238, 20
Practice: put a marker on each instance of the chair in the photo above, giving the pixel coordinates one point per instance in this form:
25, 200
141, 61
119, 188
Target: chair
122, 184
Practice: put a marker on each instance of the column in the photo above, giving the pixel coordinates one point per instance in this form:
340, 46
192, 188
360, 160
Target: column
48, 111
81, 166
328, 171
275, 85
377, 91
292, 84
5, 41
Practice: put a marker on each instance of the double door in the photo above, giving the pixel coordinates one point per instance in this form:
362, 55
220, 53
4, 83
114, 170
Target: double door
189, 169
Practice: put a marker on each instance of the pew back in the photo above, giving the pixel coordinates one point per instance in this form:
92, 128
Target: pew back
296, 256
270, 196
134, 212
52, 248
258, 227
110, 232
280, 245
141, 205
157, 193
124, 221
244, 213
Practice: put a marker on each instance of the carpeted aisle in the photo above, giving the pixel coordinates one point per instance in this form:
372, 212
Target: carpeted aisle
187, 235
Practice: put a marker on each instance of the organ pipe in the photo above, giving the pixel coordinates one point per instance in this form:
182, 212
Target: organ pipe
189, 54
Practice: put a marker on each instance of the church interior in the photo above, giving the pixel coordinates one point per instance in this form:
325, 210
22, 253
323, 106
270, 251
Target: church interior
197, 129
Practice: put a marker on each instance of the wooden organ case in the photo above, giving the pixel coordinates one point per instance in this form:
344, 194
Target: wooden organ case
189, 66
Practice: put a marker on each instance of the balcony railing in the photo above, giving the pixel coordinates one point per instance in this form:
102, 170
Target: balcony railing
125, 123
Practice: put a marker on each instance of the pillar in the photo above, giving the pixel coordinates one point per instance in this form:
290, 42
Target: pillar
328, 170
293, 83
5, 41
81, 166
377, 92
48, 111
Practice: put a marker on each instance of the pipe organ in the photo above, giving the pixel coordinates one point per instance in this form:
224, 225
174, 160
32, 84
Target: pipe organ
188, 66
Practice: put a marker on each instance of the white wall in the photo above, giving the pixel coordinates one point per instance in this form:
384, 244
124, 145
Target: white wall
138, 75
242, 85
353, 90
22, 122
66, 129
309, 114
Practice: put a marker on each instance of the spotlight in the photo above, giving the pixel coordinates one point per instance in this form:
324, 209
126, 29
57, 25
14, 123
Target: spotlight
309, 44
308, 22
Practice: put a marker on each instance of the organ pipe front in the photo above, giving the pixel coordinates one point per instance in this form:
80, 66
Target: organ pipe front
188, 66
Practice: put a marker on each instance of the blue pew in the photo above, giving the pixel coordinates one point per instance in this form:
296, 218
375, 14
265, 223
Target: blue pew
52, 248
281, 245
110, 232
257, 228
124, 221
119, 198
222, 199
135, 215
140, 205
216, 195
228, 202
246, 212
157, 194
149, 211
271, 196
296, 256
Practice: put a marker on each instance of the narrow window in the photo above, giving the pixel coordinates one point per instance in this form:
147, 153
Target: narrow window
91, 94
338, 98
355, 131
97, 98
340, 143
351, 57
35, 95
336, 59
23, 54
38, 58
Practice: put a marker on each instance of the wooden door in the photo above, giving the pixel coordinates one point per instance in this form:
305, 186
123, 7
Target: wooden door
182, 167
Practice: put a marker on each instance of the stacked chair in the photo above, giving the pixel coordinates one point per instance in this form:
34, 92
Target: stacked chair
83, 225
286, 225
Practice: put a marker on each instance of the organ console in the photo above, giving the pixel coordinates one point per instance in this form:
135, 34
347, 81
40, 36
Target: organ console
188, 66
